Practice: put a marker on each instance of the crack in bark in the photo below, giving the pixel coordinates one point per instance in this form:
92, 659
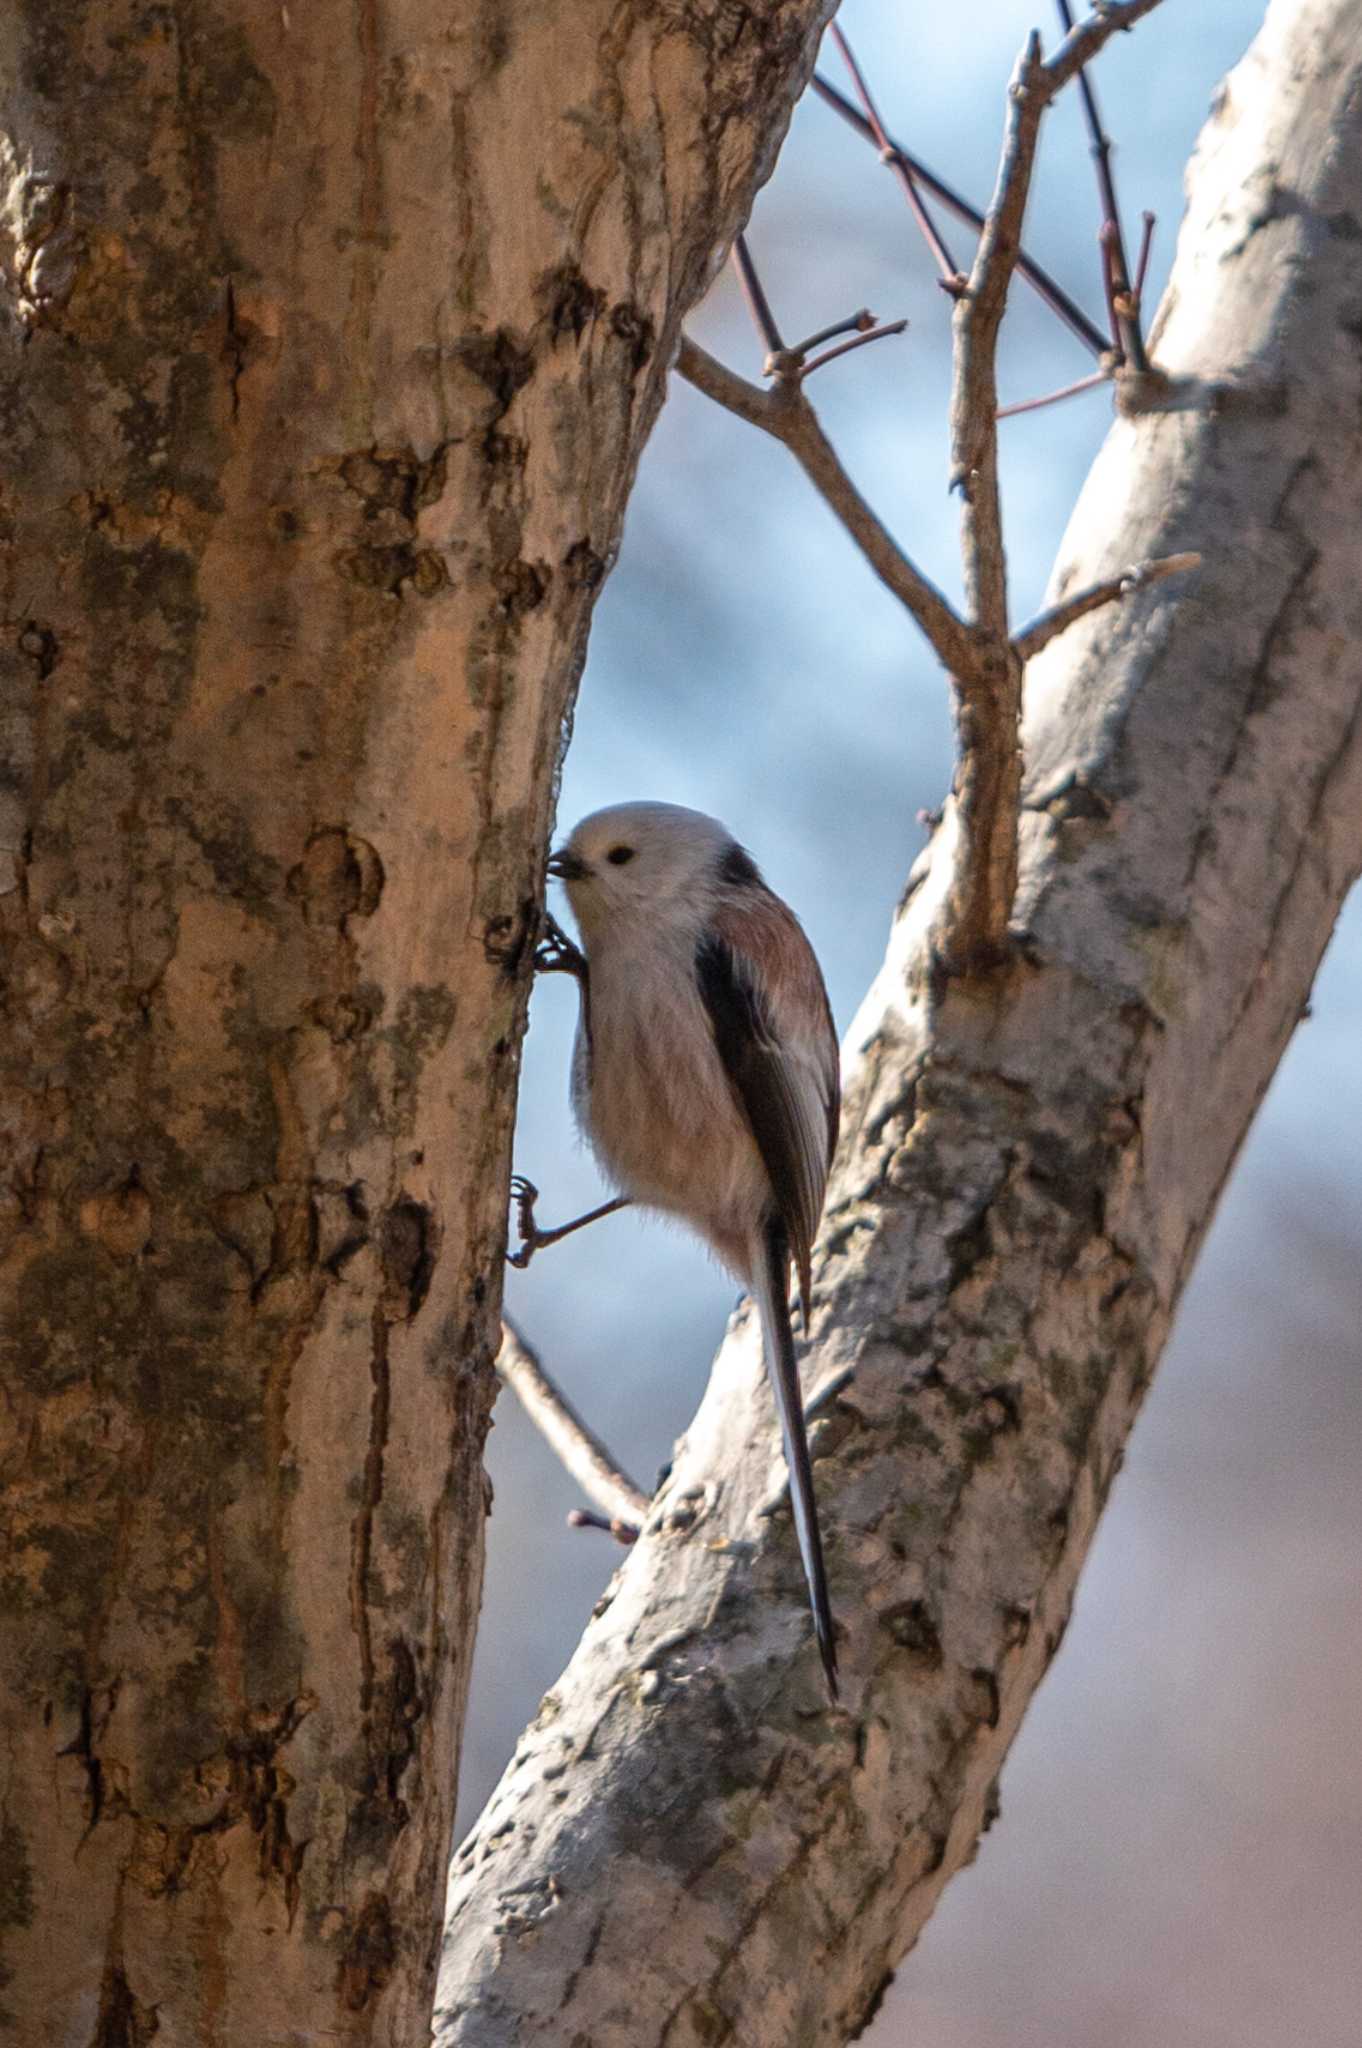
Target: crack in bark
234, 348
254, 1788
258, 1789
362, 1534
93, 1721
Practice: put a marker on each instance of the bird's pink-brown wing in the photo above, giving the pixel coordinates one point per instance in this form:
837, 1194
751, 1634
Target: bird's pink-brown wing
774, 1032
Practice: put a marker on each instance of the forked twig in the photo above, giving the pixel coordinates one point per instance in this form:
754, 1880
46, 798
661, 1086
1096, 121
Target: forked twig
795, 363
583, 1454
787, 416
988, 773
952, 277
978, 651
1122, 296
844, 348
855, 323
1045, 287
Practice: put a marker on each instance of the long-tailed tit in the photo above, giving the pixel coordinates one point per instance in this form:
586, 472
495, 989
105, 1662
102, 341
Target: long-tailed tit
705, 1074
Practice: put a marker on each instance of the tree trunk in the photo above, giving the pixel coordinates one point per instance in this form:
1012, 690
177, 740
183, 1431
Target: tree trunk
688, 1847
331, 335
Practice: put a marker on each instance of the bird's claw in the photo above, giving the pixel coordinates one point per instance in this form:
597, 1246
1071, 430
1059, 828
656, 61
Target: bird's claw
556, 953
524, 1194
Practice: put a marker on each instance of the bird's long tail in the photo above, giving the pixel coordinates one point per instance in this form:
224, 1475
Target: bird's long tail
771, 1286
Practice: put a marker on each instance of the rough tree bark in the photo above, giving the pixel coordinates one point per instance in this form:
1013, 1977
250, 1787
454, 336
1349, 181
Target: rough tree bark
330, 335
688, 1848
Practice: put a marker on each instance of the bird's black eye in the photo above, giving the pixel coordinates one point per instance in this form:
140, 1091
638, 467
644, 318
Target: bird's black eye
618, 855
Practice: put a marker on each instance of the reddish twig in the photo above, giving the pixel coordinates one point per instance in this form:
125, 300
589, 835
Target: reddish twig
1142, 267
1009, 412
1052, 294
1106, 243
844, 348
1125, 301
952, 277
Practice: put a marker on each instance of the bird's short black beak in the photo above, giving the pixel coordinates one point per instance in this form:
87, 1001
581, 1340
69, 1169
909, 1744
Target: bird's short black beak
565, 866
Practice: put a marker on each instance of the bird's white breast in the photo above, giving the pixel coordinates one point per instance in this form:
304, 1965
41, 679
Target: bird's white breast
652, 1096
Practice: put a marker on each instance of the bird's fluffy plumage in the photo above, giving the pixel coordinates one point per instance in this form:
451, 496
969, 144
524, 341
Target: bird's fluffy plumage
705, 1074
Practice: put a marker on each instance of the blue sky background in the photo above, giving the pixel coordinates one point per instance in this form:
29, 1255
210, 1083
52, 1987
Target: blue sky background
1179, 1861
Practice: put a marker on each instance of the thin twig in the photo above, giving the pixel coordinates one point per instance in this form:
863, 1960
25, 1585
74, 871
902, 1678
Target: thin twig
855, 323
1142, 267
1110, 18
787, 416
844, 348
1107, 258
580, 1450
758, 305
1010, 412
952, 277
1053, 295
1047, 626
1101, 152
1124, 301
585, 1518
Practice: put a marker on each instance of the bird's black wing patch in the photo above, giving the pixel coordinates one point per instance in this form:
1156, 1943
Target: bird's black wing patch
759, 1074
738, 868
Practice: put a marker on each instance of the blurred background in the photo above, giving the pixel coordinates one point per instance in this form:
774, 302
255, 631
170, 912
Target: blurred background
1179, 1859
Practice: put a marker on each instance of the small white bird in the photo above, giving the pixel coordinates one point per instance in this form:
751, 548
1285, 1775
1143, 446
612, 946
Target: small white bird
705, 1074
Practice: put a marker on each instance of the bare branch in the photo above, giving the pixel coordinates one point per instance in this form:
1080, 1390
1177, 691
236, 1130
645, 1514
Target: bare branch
1053, 295
979, 655
1146, 244
978, 318
1047, 626
726, 387
785, 414
952, 277
1106, 247
855, 323
988, 777
1124, 298
625, 1533
1078, 48
584, 1455
763, 319
845, 348
1009, 412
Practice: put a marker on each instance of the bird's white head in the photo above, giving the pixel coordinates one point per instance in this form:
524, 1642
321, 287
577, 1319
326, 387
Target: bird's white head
647, 861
